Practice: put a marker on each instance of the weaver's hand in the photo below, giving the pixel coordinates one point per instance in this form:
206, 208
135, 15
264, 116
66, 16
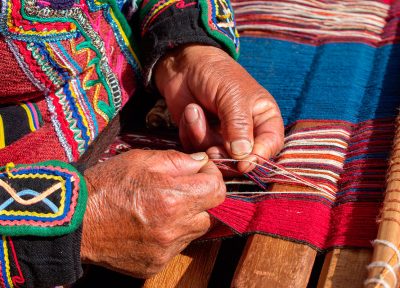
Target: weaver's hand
218, 104
145, 207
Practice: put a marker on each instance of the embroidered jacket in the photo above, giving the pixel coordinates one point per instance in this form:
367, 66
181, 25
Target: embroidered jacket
67, 67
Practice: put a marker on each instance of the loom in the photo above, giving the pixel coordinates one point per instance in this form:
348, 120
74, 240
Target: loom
333, 67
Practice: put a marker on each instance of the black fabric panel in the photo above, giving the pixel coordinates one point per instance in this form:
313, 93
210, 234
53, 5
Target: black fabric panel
49, 261
39, 186
173, 28
15, 123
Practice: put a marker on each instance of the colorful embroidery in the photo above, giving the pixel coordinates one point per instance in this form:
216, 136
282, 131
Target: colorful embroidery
216, 15
8, 258
154, 8
52, 206
218, 19
49, 39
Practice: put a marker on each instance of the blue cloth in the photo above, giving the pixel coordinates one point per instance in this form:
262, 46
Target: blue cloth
343, 81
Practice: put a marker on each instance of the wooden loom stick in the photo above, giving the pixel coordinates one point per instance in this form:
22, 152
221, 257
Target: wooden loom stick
191, 268
344, 266
389, 228
272, 262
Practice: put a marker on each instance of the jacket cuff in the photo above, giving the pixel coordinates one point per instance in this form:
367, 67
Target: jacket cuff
31, 261
164, 27
41, 212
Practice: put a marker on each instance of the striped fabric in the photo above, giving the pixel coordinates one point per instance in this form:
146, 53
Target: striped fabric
319, 21
334, 69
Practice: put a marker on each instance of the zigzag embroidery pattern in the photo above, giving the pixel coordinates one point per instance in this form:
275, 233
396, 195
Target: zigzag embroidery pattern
90, 70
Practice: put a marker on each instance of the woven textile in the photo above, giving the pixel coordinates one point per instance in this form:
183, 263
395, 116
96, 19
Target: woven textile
334, 69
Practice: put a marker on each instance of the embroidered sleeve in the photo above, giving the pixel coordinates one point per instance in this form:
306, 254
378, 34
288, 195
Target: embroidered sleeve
44, 199
166, 24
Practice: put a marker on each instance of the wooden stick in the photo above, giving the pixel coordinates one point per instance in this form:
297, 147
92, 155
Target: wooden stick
389, 228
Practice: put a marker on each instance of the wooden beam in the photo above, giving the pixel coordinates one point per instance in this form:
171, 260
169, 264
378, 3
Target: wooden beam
271, 262
345, 268
191, 268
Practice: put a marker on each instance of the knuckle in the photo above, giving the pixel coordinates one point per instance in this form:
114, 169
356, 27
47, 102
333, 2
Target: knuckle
218, 188
164, 238
176, 158
220, 191
169, 204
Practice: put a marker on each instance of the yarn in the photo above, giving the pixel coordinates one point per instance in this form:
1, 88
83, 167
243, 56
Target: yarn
392, 269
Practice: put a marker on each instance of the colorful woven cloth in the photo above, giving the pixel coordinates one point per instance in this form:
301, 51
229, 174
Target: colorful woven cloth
334, 68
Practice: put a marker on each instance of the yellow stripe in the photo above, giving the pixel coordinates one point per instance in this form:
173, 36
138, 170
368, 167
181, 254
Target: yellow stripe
125, 38
2, 136
7, 262
30, 119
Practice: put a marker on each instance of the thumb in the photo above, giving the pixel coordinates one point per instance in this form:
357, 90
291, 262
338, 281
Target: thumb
237, 128
175, 163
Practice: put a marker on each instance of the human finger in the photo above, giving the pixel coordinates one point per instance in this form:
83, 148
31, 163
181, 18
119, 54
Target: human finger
202, 191
217, 154
194, 130
268, 133
269, 129
176, 163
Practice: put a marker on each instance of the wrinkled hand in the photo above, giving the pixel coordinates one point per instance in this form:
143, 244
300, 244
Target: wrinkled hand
218, 104
145, 207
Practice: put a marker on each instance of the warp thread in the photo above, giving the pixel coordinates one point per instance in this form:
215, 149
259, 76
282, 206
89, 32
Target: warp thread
270, 172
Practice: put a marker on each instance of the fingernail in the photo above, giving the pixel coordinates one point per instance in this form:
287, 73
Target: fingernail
241, 147
198, 156
191, 115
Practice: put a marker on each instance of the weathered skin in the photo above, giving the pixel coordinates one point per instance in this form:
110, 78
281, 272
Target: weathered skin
205, 78
145, 207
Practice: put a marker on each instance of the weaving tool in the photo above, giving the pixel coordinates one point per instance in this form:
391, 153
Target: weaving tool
386, 251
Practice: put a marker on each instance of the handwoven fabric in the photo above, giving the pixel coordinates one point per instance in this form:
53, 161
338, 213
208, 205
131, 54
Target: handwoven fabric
334, 69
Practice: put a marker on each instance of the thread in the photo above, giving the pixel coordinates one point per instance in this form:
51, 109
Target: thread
389, 245
384, 265
270, 172
377, 281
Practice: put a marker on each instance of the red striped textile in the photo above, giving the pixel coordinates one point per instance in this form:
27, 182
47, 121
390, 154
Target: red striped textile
347, 160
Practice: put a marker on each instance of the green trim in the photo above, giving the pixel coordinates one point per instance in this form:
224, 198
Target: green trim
120, 17
76, 220
124, 23
220, 37
146, 9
